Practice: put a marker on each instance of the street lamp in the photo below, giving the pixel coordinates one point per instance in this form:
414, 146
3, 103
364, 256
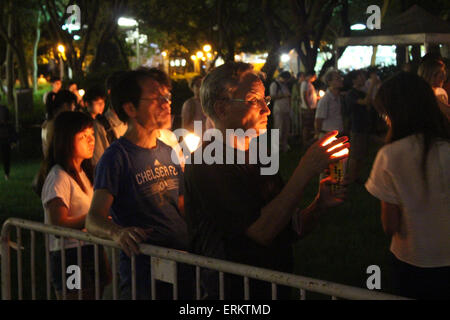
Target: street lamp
61, 49
129, 23
207, 48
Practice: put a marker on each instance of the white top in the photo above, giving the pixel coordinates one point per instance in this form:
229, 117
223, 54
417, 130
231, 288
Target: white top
284, 104
396, 178
441, 94
59, 184
311, 95
118, 126
329, 109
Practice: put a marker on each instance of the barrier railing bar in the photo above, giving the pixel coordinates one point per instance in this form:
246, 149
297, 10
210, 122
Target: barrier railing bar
114, 273
221, 286
19, 262
63, 267
302, 294
175, 284
197, 283
133, 276
33, 270
6, 266
274, 291
246, 289
80, 265
97, 273
152, 280
47, 266
291, 280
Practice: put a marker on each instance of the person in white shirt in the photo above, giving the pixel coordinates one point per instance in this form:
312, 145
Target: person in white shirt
308, 107
411, 177
329, 110
433, 71
281, 97
65, 182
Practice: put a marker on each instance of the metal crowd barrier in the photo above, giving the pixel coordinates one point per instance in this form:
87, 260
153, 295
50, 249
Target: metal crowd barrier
163, 267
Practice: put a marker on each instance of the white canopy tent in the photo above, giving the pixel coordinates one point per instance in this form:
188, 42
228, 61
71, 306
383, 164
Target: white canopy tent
414, 26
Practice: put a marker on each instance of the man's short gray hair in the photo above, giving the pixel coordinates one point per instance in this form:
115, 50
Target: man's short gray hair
221, 83
328, 77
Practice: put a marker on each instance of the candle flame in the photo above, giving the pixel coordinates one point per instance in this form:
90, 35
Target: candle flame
192, 142
337, 154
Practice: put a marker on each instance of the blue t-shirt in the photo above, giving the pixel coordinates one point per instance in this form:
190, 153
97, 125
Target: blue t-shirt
145, 184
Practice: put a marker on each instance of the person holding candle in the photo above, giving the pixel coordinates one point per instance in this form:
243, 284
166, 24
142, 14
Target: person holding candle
234, 212
411, 177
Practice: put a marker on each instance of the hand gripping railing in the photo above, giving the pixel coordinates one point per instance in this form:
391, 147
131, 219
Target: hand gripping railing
159, 255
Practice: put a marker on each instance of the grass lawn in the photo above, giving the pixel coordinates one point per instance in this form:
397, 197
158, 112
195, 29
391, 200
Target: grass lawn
348, 239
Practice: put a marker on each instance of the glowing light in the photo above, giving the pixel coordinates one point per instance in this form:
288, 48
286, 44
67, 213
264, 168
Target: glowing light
237, 57
192, 141
126, 22
199, 54
193, 57
285, 58
358, 26
339, 153
183, 62
81, 92
61, 48
164, 54
203, 59
209, 55
76, 37
172, 63
321, 93
207, 48
177, 63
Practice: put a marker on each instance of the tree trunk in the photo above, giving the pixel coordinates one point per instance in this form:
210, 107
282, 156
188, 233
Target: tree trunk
10, 67
400, 55
271, 64
20, 55
373, 60
35, 48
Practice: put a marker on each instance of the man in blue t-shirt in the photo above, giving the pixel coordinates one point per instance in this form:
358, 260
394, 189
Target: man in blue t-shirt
137, 183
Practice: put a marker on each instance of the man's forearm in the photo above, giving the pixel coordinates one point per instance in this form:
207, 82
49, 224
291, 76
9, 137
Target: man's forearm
101, 227
309, 217
278, 213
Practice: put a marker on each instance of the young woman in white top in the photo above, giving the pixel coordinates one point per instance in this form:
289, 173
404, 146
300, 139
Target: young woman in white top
66, 193
411, 177
434, 72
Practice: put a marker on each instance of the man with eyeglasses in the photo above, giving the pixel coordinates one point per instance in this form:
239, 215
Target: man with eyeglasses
137, 183
235, 213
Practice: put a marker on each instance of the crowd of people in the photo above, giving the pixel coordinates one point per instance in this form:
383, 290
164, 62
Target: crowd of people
111, 173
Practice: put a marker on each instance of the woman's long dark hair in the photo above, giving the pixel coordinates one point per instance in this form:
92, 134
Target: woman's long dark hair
411, 106
67, 125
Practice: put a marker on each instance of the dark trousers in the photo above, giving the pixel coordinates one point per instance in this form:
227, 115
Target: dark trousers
6, 157
421, 283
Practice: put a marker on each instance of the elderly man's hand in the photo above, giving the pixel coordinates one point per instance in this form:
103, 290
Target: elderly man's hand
130, 238
318, 157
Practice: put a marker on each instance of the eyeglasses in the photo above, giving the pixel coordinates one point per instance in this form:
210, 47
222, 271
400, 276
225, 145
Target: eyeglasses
254, 101
161, 99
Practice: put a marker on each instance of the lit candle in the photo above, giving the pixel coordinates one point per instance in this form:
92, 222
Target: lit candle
192, 141
338, 169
